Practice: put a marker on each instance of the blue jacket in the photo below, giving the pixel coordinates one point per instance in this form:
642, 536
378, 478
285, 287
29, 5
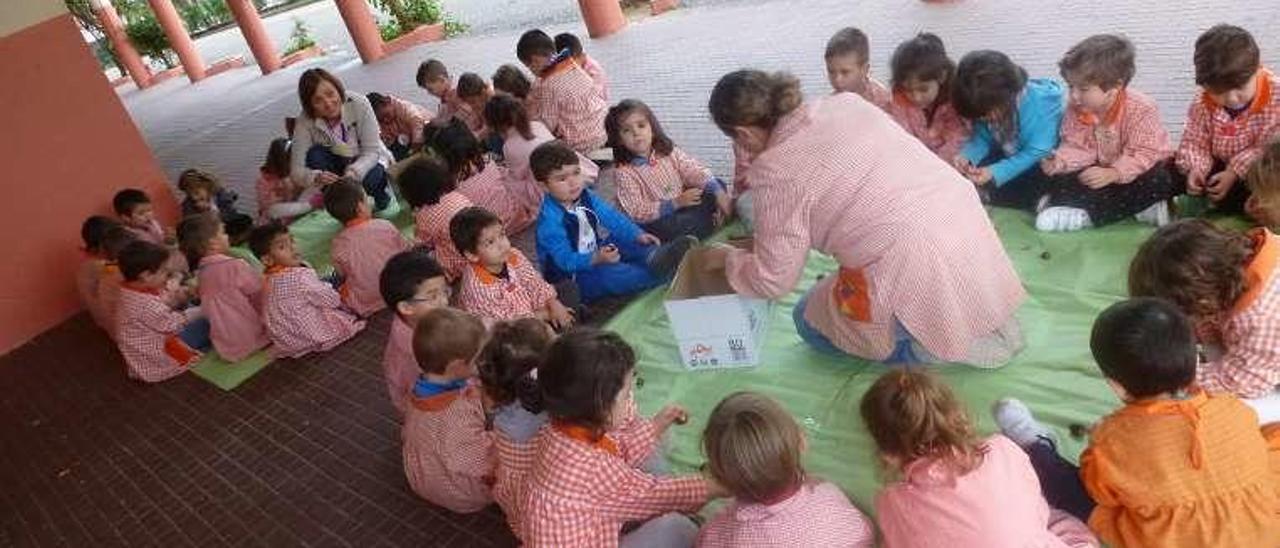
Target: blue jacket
1039, 115
557, 234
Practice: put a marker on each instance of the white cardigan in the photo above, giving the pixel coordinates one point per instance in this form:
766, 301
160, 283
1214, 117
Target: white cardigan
359, 119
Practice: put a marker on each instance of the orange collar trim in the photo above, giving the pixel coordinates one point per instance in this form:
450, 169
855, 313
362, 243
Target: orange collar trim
134, 286
565, 65
1113, 113
1260, 269
356, 222
438, 402
487, 277
1261, 98
274, 269
1157, 406
111, 267
585, 435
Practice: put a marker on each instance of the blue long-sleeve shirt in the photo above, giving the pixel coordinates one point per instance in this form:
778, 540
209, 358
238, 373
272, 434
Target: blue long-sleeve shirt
557, 234
1039, 114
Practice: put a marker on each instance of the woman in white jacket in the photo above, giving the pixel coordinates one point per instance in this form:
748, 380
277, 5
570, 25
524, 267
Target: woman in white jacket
337, 136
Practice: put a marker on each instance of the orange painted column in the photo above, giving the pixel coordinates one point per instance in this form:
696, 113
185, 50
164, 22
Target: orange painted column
362, 28
264, 51
179, 40
603, 17
125, 52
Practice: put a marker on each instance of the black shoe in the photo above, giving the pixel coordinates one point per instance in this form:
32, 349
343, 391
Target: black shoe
664, 260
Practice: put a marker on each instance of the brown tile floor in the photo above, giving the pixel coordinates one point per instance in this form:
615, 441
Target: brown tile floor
305, 453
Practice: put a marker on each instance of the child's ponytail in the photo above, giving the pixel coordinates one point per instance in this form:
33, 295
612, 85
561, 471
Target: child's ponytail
911, 415
754, 98
507, 362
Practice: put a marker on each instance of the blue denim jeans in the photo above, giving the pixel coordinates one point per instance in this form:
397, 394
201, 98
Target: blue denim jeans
376, 182
903, 351
196, 334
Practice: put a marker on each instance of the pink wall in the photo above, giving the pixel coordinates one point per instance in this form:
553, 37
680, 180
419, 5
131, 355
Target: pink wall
68, 146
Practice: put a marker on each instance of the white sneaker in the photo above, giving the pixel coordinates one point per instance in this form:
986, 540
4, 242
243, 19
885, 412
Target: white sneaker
1062, 219
1157, 215
1018, 424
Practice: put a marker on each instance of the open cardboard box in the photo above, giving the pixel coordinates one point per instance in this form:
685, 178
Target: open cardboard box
714, 327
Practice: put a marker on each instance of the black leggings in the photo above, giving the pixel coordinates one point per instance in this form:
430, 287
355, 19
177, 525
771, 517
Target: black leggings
1115, 202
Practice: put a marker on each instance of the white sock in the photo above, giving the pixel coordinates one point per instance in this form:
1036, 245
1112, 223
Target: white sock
1017, 423
1156, 215
1062, 219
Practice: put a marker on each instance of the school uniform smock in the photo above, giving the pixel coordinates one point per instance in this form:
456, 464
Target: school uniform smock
491, 189
567, 100
399, 366
516, 151
815, 514
1249, 366
303, 314
359, 252
944, 132
517, 292
148, 330
231, 296
1213, 134
448, 454
431, 228
913, 242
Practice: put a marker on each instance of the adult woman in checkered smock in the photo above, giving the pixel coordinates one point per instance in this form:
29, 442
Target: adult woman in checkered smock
922, 277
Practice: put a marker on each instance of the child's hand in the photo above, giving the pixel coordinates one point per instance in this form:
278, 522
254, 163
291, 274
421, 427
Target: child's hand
559, 315
1097, 176
962, 164
325, 178
714, 489
980, 176
671, 414
1195, 183
1220, 184
1048, 164
724, 207
647, 239
690, 197
606, 255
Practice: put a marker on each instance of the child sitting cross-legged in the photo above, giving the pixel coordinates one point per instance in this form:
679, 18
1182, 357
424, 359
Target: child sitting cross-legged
583, 238
157, 341
1175, 466
114, 240
89, 273
302, 313
585, 482
1228, 283
230, 289
473, 91
563, 96
569, 41
206, 194
660, 186
412, 284
362, 248
753, 449
137, 213
448, 457
499, 282
508, 366
923, 75
947, 486
477, 177
281, 197
431, 191
507, 118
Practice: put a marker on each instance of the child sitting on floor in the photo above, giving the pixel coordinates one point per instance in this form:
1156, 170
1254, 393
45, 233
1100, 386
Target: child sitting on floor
570, 41
848, 59
507, 367
948, 487
114, 240
432, 193
479, 179
363, 246
922, 79
280, 197
1015, 125
434, 77
89, 274
1231, 121
1228, 283
400, 123
473, 91
507, 117
1110, 161
581, 237
1263, 180
302, 313
412, 284
157, 342
448, 457
509, 79
668, 192
499, 283
134, 209
564, 97
753, 449
230, 290
1173, 467
206, 194
585, 481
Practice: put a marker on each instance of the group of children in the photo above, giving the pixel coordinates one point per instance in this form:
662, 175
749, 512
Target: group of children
503, 402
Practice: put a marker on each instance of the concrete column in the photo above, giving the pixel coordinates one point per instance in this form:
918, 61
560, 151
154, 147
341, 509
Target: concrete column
264, 51
603, 17
125, 52
362, 28
179, 40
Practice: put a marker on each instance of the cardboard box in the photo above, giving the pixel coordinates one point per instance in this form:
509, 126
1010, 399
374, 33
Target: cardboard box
714, 327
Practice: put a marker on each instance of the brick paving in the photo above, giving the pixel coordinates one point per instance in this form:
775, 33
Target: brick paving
306, 453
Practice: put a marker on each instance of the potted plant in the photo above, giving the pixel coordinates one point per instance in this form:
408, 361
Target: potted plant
301, 45
415, 22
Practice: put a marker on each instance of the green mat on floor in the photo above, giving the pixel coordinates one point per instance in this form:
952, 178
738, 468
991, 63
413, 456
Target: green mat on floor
1070, 278
312, 233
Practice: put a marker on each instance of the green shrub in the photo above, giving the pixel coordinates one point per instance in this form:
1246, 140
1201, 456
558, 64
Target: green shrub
147, 36
300, 38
